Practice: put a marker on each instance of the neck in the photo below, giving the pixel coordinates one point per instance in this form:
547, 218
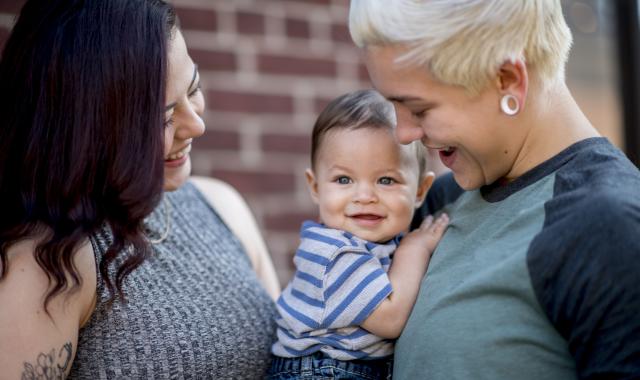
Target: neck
554, 122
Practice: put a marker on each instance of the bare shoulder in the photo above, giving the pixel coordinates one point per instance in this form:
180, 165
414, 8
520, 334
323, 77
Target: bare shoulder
30, 335
229, 205
24, 271
235, 212
217, 192
226, 201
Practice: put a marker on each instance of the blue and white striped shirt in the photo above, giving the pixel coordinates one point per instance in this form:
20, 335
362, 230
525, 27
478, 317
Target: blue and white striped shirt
340, 279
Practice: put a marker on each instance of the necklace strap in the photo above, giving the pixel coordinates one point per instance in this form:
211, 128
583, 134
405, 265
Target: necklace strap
167, 224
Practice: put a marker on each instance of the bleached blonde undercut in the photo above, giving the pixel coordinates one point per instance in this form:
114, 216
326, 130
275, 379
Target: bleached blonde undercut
464, 42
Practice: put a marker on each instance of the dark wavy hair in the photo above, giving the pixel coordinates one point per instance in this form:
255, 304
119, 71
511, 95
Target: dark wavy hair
82, 94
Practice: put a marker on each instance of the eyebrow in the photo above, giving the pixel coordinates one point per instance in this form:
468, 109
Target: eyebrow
193, 80
339, 167
403, 99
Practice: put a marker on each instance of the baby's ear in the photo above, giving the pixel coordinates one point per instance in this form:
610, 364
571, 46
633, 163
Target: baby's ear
423, 187
312, 185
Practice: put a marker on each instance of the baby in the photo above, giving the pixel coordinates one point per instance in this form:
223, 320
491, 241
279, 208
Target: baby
347, 300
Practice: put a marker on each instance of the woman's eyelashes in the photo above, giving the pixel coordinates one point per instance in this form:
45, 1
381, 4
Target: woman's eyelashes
419, 114
419, 110
195, 90
169, 122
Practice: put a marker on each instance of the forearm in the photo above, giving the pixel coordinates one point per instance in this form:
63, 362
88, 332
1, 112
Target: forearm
405, 276
409, 265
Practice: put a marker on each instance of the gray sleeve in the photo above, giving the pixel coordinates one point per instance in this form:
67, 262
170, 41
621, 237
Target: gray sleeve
585, 270
444, 190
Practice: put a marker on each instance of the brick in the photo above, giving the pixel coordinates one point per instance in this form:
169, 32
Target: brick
273, 64
197, 19
288, 221
280, 151
250, 23
257, 182
297, 28
249, 102
363, 73
319, 2
340, 33
321, 103
216, 139
214, 60
11, 6
286, 143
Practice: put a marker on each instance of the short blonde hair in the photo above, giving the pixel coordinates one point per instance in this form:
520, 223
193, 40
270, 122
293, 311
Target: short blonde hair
464, 42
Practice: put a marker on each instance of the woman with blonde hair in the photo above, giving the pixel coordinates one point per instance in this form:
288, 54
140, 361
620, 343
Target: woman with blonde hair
536, 276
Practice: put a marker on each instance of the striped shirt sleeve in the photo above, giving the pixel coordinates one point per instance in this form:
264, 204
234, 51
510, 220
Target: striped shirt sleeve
354, 285
337, 283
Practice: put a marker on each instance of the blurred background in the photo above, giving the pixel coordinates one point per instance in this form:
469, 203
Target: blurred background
268, 67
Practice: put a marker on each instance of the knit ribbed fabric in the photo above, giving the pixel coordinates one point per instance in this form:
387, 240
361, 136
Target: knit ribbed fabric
195, 310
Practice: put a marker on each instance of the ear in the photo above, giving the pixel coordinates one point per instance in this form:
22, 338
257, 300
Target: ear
423, 188
513, 79
312, 185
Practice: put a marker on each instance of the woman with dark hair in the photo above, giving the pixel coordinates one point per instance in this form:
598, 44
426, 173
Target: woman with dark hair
105, 270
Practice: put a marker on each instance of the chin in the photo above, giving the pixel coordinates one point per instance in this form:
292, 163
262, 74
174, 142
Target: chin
172, 185
467, 183
174, 181
376, 238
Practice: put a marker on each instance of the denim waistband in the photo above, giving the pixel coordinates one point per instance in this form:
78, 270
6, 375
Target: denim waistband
321, 364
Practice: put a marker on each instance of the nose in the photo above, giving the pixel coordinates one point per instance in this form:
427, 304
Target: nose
365, 193
408, 129
190, 123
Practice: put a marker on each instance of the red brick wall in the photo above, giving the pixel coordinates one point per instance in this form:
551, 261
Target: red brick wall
267, 68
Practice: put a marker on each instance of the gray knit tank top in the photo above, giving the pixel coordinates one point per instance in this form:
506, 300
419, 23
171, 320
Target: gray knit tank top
195, 310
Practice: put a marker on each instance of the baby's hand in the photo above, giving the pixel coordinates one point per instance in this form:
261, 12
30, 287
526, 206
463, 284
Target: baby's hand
426, 237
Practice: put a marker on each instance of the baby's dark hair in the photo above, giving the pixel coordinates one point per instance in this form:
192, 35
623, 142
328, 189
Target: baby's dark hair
355, 110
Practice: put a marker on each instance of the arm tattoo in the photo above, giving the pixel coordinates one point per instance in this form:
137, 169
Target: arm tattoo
49, 366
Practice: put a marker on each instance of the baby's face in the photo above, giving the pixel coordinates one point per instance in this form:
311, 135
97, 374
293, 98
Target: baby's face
365, 183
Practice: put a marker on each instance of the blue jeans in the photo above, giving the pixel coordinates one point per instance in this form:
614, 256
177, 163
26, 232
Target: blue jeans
321, 367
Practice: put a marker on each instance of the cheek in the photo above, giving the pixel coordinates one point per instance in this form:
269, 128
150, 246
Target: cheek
403, 203
198, 103
332, 204
408, 208
168, 140
332, 201
480, 148
404, 117
437, 127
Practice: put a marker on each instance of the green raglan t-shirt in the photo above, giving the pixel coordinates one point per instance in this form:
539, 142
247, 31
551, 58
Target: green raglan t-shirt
515, 288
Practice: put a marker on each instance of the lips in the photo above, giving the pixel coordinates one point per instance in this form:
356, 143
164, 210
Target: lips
365, 219
447, 156
179, 154
367, 216
178, 158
